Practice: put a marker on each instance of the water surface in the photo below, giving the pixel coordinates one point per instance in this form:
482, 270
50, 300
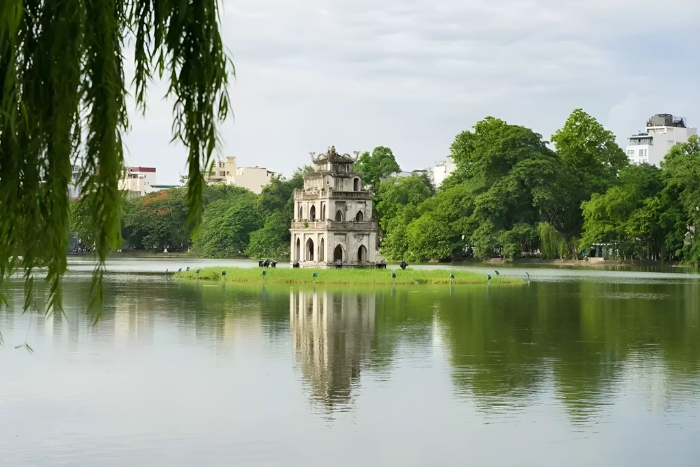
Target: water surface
573, 368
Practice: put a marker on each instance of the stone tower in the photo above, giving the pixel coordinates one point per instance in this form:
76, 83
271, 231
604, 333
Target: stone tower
333, 215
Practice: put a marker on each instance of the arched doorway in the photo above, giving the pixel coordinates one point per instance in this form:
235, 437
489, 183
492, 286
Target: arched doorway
309, 250
339, 216
297, 252
360, 217
361, 254
338, 253
321, 250
312, 214
356, 184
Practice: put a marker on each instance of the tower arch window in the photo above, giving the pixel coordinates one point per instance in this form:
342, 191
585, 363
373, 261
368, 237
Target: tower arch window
356, 184
301, 213
297, 253
312, 214
309, 250
339, 216
359, 217
338, 253
323, 212
361, 254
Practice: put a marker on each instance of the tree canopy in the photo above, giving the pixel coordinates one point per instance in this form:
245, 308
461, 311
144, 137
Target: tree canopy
62, 98
511, 195
377, 166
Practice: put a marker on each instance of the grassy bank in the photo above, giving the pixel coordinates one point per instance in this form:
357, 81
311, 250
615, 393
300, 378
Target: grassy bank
342, 276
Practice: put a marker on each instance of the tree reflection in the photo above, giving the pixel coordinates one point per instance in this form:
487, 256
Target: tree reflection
579, 343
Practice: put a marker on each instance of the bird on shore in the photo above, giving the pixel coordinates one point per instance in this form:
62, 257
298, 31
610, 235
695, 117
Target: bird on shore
528, 275
497, 273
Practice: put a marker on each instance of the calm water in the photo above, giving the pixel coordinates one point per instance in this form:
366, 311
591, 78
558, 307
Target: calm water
575, 368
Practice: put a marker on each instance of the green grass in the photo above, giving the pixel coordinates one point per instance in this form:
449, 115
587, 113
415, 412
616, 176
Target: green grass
342, 276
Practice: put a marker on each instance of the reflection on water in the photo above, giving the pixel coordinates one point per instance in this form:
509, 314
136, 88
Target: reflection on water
332, 334
240, 374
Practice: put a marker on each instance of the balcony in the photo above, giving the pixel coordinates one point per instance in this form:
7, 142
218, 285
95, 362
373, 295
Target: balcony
330, 193
335, 225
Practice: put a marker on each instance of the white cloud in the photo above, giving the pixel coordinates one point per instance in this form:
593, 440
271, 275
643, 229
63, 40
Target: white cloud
411, 74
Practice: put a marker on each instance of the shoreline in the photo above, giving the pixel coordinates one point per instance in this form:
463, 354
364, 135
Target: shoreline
344, 276
569, 263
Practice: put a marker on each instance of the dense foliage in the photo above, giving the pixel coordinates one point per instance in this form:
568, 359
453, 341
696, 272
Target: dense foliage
512, 195
235, 221
63, 98
376, 166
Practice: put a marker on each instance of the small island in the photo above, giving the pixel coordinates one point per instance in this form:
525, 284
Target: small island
344, 276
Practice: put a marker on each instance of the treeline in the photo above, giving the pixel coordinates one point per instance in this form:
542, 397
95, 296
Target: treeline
513, 195
235, 222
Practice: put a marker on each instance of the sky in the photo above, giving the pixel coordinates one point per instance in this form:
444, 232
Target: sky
412, 74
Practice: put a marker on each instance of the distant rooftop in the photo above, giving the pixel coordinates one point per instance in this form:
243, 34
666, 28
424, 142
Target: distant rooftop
141, 169
666, 120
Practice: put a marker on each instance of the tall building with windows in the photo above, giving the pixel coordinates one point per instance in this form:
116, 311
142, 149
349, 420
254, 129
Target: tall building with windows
227, 171
138, 181
333, 215
662, 132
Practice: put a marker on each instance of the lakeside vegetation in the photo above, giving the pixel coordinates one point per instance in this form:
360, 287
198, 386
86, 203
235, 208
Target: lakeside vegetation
342, 276
511, 196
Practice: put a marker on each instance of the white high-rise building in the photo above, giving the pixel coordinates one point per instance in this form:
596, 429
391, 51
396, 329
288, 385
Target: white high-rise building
442, 170
662, 132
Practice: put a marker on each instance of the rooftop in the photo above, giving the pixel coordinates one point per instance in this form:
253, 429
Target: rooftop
666, 120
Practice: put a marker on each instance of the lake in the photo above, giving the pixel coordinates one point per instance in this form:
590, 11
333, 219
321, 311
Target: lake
574, 367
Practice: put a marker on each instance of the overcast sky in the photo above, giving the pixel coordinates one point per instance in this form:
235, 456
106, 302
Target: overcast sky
411, 74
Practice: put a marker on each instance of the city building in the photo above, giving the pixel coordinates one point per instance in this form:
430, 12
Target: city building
442, 170
74, 190
227, 171
138, 181
662, 132
333, 215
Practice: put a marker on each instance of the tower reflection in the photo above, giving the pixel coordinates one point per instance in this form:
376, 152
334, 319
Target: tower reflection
332, 335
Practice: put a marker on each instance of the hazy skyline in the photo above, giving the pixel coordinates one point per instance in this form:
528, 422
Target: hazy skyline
412, 74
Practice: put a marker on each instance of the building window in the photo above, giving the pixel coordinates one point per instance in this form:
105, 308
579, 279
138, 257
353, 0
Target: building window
630, 152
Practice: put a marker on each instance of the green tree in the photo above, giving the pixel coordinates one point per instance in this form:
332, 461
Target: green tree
592, 161
682, 176
452, 211
157, 221
513, 179
396, 203
380, 164
80, 222
227, 224
606, 217
63, 96
429, 237
276, 206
